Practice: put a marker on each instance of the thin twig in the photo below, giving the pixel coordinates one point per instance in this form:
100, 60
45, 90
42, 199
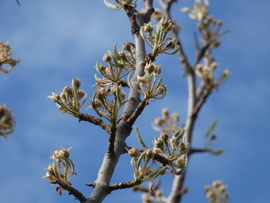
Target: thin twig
131, 120
202, 100
192, 151
122, 185
151, 189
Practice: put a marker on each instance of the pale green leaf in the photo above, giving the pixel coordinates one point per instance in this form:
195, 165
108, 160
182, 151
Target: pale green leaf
111, 6
218, 152
211, 128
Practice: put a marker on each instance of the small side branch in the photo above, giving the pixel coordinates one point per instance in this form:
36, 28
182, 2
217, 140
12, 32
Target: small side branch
199, 104
123, 185
94, 120
137, 112
201, 53
161, 159
192, 151
77, 194
151, 189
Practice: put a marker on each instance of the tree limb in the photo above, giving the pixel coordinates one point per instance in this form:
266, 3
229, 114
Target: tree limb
123, 129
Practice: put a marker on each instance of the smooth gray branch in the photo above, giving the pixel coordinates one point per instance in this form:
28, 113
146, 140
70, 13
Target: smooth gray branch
123, 129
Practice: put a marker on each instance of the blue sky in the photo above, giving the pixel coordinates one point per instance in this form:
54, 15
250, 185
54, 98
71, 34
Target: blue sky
57, 41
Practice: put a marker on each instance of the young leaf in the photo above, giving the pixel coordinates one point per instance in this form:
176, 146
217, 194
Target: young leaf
140, 138
111, 6
218, 152
211, 128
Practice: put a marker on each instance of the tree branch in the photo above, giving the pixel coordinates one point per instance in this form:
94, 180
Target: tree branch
192, 151
77, 194
123, 185
131, 120
202, 100
96, 121
123, 129
176, 194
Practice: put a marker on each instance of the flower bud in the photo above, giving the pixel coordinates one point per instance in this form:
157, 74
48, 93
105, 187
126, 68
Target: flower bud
161, 90
133, 152
225, 74
149, 154
148, 28
121, 65
222, 188
164, 23
141, 80
157, 150
99, 95
175, 117
180, 162
75, 84
107, 58
217, 183
64, 152
207, 188
81, 94
114, 89
213, 65
68, 92
122, 95
159, 122
96, 104
50, 170
126, 47
165, 113
157, 70
164, 137
103, 68
158, 143
210, 194
122, 55
149, 68
182, 147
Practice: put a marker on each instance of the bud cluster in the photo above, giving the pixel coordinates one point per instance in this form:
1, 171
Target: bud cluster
199, 11
107, 101
217, 192
206, 74
119, 64
6, 121
150, 87
61, 171
108, 98
169, 147
144, 169
207, 25
157, 40
6, 58
70, 99
167, 123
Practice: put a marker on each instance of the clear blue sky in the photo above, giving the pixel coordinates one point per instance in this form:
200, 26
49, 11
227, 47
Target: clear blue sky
60, 40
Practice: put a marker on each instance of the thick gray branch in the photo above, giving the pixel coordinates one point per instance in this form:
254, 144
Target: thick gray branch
123, 129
